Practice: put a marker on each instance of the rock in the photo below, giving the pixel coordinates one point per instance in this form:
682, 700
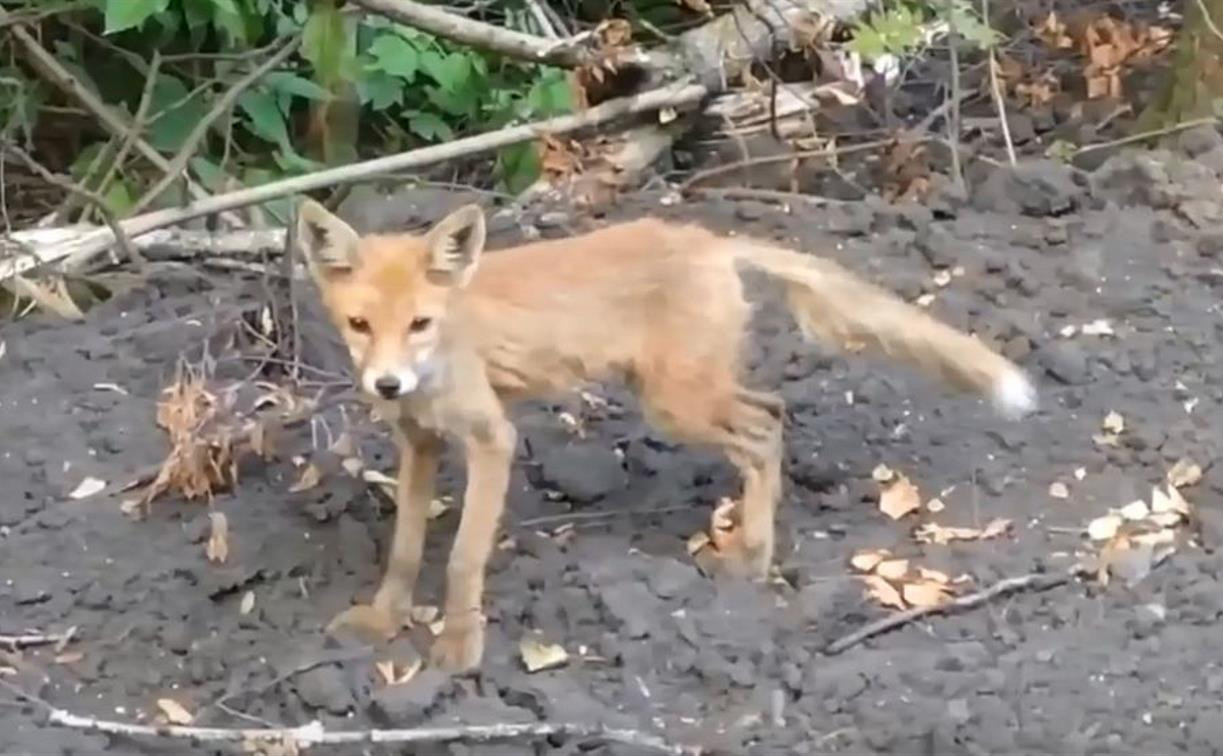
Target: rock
1199, 140
582, 472
633, 605
670, 578
1064, 361
324, 688
410, 703
1040, 188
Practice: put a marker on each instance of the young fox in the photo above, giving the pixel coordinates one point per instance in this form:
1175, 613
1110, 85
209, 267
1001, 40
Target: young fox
442, 340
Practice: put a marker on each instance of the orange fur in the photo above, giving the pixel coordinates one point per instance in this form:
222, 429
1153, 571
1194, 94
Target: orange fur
661, 306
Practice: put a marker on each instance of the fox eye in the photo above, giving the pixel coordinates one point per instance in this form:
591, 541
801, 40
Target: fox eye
360, 325
419, 324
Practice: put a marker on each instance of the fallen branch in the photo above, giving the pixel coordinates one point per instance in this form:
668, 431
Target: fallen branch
1037, 581
315, 734
38, 639
81, 249
162, 244
564, 53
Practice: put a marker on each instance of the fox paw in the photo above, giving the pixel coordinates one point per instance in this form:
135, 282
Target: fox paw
367, 622
458, 649
738, 559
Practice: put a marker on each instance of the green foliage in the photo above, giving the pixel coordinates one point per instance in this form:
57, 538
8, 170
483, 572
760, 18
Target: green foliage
406, 87
903, 26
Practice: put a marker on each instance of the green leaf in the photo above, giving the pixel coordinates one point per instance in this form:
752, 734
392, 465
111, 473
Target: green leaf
228, 17
430, 127
119, 197
264, 117
209, 173
297, 86
394, 55
178, 114
380, 90
131, 14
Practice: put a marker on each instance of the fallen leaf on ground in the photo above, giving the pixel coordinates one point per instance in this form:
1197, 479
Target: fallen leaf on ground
1184, 473
883, 591
391, 676
217, 548
248, 603
174, 711
899, 498
538, 655
352, 466
1098, 328
892, 569
87, 487
1135, 511
1103, 528
935, 505
70, 657
1058, 490
935, 575
925, 593
1170, 501
865, 561
932, 532
1114, 423
310, 478
882, 474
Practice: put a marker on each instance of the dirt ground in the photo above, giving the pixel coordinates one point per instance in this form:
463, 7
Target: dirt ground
656, 645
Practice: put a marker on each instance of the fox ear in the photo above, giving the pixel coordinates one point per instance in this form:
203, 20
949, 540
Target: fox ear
455, 244
328, 243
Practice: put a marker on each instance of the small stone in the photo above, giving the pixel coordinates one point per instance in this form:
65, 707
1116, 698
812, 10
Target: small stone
1064, 361
409, 703
582, 472
323, 688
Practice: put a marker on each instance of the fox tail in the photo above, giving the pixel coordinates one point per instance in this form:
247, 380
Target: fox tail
843, 311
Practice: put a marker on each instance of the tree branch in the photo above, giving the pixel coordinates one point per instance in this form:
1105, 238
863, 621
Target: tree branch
563, 53
81, 248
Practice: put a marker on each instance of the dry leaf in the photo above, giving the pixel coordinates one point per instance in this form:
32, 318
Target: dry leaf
1058, 490
865, 561
899, 498
1114, 423
1184, 473
892, 569
378, 478
1165, 519
697, 541
423, 614
1156, 538
217, 548
386, 669
87, 487
882, 474
353, 466
1135, 511
935, 575
310, 478
935, 505
248, 603
1169, 501
1098, 328
70, 657
538, 655
932, 532
925, 593
1080, 473
174, 711
437, 508
942, 278
883, 592
1104, 528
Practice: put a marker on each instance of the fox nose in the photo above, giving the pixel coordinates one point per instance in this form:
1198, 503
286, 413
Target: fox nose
387, 386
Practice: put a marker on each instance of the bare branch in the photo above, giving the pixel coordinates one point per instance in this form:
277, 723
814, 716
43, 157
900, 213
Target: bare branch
479, 34
222, 106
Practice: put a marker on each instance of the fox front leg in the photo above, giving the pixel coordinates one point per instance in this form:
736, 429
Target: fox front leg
490, 453
419, 452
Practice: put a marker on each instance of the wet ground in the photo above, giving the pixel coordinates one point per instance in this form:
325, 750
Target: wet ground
595, 556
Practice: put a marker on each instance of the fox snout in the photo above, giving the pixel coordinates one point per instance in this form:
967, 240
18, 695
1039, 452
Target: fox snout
394, 384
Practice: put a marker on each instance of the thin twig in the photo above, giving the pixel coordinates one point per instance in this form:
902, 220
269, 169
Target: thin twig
1145, 135
179, 163
315, 734
953, 123
1034, 581
97, 200
999, 102
51, 69
768, 159
764, 195
601, 515
1206, 19
37, 639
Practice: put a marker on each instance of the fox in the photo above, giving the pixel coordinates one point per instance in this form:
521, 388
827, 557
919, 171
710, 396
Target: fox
445, 339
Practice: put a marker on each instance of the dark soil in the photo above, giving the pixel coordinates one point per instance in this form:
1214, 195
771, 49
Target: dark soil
1077, 669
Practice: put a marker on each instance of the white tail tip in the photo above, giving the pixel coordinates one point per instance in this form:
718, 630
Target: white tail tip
1014, 395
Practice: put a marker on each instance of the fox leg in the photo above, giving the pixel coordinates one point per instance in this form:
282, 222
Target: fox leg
747, 426
490, 453
419, 453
